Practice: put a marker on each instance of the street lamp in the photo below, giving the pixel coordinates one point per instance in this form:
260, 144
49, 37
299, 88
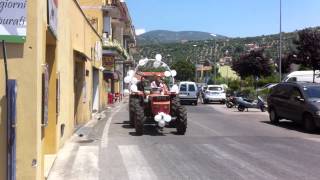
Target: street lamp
215, 61
280, 44
196, 63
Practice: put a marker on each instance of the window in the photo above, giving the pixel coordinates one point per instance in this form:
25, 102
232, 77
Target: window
183, 87
312, 91
282, 91
292, 79
191, 87
215, 88
295, 93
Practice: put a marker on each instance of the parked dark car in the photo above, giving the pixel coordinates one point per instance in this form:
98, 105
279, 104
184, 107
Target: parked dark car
299, 102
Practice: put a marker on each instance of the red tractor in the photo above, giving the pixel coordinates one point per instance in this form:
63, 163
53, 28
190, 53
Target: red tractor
157, 104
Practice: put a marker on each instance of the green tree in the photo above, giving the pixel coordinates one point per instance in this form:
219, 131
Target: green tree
185, 70
308, 46
252, 64
286, 62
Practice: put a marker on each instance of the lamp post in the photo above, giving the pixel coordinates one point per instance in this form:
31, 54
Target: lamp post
215, 61
280, 44
196, 63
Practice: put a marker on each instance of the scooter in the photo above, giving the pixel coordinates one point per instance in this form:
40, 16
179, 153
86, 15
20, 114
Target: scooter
231, 102
246, 104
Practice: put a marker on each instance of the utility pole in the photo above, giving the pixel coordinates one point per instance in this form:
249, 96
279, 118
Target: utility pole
196, 62
280, 44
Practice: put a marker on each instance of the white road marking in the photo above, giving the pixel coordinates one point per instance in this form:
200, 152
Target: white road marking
105, 138
135, 163
86, 165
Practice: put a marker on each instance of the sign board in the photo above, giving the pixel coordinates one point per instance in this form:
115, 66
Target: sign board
53, 16
13, 20
108, 62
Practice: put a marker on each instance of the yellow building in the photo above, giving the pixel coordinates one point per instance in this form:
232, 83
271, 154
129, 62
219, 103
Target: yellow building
112, 19
62, 61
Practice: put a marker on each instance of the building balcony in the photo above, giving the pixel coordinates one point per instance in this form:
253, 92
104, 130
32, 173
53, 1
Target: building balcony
114, 45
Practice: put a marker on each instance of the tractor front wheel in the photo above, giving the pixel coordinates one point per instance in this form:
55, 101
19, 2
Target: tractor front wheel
181, 121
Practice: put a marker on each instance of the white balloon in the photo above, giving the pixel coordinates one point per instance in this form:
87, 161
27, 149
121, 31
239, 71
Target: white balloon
131, 73
173, 73
134, 80
126, 92
157, 118
167, 118
161, 123
142, 62
156, 64
175, 89
134, 88
167, 73
127, 79
158, 57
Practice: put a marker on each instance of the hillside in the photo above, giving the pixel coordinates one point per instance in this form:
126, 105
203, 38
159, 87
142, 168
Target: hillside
163, 36
210, 50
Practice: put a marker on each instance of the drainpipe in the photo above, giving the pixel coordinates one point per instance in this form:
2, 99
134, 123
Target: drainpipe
7, 107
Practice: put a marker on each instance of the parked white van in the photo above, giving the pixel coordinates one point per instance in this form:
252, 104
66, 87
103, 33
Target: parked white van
306, 76
188, 92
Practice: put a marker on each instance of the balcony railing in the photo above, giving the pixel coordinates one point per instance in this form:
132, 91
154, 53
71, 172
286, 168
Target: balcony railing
109, 44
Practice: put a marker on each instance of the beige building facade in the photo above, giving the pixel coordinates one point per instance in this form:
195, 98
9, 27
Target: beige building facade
60, 84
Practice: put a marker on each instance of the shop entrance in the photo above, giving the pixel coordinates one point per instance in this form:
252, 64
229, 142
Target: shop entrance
79, 88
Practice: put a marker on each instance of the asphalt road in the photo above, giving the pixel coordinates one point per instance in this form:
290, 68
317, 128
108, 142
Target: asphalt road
220, 143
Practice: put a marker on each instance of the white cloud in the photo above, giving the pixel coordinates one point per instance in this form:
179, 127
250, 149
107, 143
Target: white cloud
140, 31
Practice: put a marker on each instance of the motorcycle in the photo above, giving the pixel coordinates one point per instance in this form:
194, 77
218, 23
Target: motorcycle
246, 104
231, 102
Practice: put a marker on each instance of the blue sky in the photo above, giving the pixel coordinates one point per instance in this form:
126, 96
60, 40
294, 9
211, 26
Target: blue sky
234, 18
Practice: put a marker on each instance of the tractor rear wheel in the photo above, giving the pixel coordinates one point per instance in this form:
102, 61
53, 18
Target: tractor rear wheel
181, 121
180, 113
132, 110
139, 118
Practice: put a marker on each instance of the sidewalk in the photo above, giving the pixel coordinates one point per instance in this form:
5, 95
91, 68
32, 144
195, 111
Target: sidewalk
78, 158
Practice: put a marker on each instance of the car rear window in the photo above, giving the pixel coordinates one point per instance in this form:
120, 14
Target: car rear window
215, 88
183, 87
191, 87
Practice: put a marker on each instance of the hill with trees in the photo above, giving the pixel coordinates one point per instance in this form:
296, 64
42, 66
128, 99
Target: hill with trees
215, 49
163, 36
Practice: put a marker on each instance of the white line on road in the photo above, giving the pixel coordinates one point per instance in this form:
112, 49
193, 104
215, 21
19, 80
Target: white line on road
86, 164
135, 163
105, 138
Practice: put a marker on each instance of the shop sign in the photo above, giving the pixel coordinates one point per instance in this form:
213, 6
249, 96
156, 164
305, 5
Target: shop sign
13, 20
108, 63
53, 16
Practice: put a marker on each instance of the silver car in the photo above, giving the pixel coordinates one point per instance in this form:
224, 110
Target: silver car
214, 93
